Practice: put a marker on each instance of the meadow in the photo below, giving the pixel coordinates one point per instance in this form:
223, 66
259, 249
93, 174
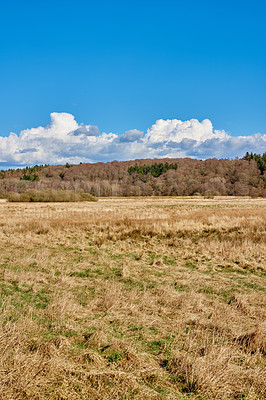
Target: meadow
133, 298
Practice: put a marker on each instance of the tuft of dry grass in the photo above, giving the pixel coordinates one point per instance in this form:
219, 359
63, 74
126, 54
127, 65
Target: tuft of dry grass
152, 298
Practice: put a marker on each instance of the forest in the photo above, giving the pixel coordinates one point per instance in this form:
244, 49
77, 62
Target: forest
146, 177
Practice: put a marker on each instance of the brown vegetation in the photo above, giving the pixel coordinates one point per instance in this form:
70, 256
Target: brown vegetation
188, 177
156, 298
47, 196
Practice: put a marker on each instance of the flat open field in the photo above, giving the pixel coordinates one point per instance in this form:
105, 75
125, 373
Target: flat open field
154, 298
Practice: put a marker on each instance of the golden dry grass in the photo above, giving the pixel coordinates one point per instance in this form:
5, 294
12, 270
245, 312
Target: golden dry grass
155, 298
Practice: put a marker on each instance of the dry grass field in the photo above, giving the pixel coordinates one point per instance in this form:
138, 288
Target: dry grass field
152, 298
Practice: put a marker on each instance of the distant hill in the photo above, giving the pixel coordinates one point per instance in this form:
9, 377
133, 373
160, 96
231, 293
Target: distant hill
145, 177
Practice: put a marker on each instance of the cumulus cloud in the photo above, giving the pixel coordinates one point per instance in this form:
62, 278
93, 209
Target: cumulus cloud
64, 140
131, 136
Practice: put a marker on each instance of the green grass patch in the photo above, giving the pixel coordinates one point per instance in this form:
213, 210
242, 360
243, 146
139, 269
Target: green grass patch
24, 295
156, 346
114, 357
190, 265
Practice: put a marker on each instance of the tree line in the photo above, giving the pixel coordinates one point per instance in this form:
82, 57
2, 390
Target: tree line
146, 177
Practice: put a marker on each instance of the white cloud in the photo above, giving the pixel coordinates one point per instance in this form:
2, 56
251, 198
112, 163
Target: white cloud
175, 130
64, 140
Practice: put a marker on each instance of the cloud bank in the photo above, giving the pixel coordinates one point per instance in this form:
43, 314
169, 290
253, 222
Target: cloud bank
64, 140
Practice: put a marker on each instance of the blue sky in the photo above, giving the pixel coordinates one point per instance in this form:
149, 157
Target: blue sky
122, 65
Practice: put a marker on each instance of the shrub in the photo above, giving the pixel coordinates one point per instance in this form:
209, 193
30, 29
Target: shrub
49, 196
30, 177
209, 194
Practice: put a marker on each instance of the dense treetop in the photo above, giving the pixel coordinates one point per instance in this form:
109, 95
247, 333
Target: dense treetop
154, 169
260, 160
